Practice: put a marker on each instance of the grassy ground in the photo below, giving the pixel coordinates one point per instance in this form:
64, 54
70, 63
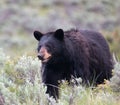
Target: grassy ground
20, 84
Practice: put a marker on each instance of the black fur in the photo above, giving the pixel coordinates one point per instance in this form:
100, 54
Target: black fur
79, 53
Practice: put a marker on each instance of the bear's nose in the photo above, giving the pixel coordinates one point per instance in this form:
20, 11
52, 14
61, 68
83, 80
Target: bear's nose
40, 56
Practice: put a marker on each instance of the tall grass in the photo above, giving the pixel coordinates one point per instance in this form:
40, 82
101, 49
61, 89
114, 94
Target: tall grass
20, 84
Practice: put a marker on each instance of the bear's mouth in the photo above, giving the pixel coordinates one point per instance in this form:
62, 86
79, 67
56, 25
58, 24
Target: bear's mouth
46, 60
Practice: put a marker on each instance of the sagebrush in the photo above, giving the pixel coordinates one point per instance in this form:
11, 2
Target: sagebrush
21, 84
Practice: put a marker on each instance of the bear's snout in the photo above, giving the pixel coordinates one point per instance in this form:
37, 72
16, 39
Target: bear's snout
40, 56
43, 54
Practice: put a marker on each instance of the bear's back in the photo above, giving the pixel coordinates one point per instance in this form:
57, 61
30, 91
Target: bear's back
96, 39
91, 38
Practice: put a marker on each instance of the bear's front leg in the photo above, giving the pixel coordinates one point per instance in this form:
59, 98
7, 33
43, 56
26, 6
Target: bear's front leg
52, 90
50, 78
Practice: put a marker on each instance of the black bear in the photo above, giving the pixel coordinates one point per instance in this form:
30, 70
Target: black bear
77, 53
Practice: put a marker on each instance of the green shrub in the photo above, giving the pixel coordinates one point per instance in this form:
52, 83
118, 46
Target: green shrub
21, 84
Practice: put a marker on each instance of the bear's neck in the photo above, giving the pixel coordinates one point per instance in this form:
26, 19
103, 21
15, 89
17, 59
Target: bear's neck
59, 62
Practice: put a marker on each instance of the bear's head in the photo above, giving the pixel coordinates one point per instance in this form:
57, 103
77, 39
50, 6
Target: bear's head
50, 44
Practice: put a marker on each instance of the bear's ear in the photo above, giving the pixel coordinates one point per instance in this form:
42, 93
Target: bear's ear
59, 34
37, 35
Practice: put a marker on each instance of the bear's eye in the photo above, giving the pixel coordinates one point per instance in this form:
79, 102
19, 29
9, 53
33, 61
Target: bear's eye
48, 46
39, 47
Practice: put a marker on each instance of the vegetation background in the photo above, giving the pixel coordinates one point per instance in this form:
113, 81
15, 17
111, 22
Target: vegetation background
20, 78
